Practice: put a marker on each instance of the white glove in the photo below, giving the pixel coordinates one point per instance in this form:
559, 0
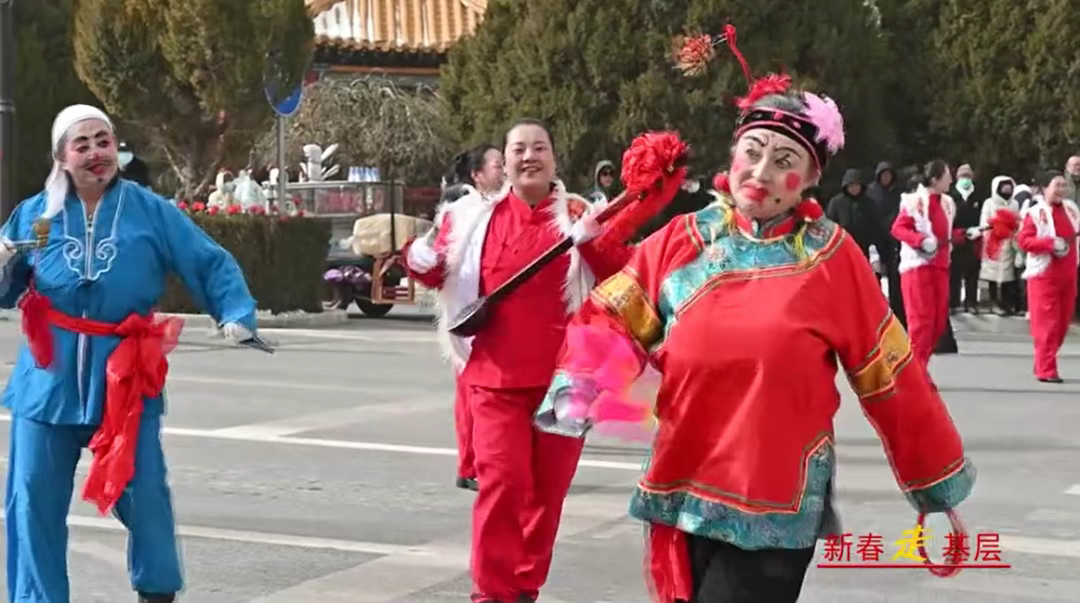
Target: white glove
1061, 248
7, 251
1018, 261
929, 245
973, 233
585, 229
235, 332
875, 259
422, 257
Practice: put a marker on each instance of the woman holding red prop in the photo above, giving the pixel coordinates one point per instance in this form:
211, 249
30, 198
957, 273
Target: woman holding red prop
925, 230
746, 308
1048, 236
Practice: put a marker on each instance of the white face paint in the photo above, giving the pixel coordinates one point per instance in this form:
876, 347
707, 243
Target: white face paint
89, 155
769, 172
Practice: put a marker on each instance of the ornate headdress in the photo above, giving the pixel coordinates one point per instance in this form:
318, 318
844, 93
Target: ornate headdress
817, 124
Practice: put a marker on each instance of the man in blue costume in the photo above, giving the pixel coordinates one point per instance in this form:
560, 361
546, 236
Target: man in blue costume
93, 369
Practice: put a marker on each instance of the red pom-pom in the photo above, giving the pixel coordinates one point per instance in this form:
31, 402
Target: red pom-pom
650, 157
721, 184
213, 210
693, 53
198, 206
232, 210
808, 211
182, 206
762, 87
1003, 226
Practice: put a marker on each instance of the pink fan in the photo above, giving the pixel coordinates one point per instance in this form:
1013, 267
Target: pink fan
609, 364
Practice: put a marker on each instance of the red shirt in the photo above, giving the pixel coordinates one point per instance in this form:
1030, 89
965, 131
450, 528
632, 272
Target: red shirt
1028, 240
517, 348
903, 229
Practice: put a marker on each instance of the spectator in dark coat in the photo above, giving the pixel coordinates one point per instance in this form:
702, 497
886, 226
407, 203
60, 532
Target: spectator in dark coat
885, 191
856, 213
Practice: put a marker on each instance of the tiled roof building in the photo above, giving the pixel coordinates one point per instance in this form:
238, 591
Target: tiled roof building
399, 37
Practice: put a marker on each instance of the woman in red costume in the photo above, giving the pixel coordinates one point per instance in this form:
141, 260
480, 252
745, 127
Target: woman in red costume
482, 242
1048, 236
746, 308
478, 171
925, 230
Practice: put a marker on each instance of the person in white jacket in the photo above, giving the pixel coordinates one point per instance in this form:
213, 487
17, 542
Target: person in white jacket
998, 265
1048, 235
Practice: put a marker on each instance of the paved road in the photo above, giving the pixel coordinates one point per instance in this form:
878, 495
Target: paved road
324, 474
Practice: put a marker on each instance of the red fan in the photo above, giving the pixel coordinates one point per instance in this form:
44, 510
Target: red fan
1002, 227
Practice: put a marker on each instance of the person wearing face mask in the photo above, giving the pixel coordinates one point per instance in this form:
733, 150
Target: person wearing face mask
965, 265
478, 171
925, 230
1048, 235
746, 308
999, 261
93, 367
523, 475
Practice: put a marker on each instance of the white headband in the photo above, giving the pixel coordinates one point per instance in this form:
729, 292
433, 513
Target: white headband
56, 185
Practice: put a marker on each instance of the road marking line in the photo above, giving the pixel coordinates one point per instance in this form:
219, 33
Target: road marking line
1039, 546
262, 438
336, 418
306, 542
101, 552
1073, 489
378, 336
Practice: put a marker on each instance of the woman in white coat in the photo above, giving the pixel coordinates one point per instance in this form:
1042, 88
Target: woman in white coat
998, 267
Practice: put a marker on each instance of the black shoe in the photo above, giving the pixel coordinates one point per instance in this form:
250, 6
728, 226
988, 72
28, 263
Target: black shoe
467, 483
1051, 380
149, 598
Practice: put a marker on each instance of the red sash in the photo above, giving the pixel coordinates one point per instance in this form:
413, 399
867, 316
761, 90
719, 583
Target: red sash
667, 565
134, 371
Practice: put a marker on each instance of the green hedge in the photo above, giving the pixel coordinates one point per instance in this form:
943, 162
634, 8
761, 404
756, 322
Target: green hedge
283, 260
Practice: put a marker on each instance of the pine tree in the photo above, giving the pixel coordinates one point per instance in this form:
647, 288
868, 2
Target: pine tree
189, 73
45, 83
600, 72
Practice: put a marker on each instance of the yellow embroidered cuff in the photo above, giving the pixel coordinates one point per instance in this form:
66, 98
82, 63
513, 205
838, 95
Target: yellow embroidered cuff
625, 297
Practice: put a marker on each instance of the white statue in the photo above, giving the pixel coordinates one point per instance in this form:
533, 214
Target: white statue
222, 196
248, 192
312, 169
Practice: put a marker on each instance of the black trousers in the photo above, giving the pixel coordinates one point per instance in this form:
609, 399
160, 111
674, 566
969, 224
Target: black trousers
1005, 296
724, 573
964, 275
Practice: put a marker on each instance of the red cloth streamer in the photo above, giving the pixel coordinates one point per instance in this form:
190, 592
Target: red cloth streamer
729, 35
667, 564
135, 370
1003, 226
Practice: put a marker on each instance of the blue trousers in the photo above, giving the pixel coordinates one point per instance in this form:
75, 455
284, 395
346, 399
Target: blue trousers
41, 476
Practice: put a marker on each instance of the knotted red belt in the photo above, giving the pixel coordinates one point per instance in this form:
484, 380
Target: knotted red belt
134, 371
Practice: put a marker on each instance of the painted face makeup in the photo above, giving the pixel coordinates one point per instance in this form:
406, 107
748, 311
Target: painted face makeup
769, 171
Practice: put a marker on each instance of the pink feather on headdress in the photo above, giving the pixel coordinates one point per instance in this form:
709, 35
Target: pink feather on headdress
823, 112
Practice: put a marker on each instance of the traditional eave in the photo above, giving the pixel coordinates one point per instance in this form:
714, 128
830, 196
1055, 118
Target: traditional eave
408, 27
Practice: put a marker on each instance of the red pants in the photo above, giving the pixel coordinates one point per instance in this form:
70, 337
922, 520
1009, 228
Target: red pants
926, 302
463, 427
1051, 301
524, 476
